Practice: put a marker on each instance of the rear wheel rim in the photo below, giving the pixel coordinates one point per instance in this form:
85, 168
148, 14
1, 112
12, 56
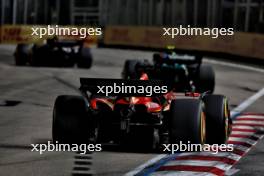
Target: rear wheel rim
203, 131
226, 115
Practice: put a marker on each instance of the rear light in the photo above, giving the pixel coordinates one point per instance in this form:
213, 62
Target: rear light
192, 94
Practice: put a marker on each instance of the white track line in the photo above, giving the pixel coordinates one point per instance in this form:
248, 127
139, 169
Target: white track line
185, 173
231, 155
248, 122
249, 117
246, 140
242, 133
144, 165
215, 164
247, 102
242, 127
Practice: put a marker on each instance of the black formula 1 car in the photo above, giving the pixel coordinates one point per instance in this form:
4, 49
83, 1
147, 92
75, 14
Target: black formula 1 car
55, 53
187, 72
140, 121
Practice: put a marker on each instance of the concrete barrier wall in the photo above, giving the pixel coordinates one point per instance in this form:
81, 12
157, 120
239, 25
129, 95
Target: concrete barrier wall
241, 44
15, 34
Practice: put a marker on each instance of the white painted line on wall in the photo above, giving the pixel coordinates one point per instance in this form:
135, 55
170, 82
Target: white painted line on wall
236, 65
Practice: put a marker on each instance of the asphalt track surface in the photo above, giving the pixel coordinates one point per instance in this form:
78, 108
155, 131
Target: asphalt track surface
27, 96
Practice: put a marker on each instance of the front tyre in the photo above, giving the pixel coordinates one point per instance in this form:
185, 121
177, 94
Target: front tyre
85, 59
206, 79
129, 69
187, 121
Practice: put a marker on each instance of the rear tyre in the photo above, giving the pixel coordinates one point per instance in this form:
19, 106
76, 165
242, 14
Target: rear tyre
70, 121
187, 121
217, 119
85, 59
129, 70
206, 79
156, 58
21, 54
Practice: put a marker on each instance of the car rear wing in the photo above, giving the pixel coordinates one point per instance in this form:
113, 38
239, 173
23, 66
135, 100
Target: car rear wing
69, 43
179, 58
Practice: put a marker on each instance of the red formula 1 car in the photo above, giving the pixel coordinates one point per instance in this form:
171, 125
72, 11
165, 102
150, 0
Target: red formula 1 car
148, 121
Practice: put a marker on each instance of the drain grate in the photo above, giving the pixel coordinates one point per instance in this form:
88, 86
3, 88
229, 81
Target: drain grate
82, 165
